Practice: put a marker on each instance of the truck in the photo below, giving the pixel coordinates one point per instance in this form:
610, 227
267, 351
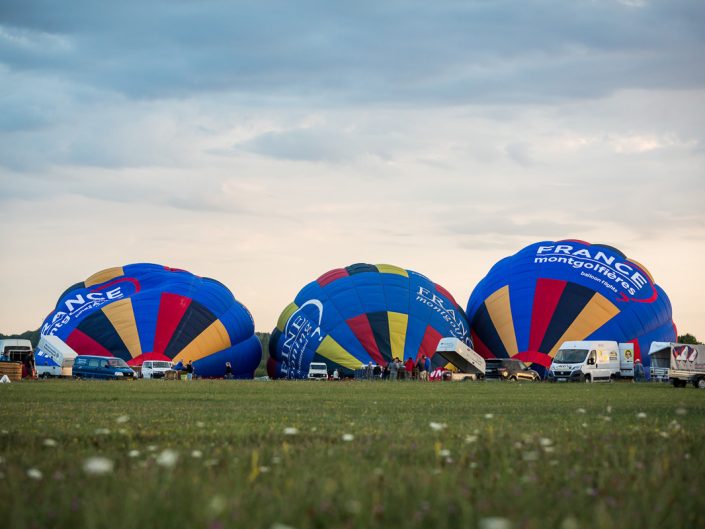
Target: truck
660, 360
54, 357
469, 364
687, 364
592, 361
15, 350
155, 368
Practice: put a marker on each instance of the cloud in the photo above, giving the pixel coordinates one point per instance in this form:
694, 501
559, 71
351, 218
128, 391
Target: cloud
314, 51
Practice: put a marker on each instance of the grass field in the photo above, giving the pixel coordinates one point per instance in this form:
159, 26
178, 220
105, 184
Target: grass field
216, 454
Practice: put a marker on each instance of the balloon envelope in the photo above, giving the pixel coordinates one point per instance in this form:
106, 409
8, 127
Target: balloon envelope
551, 292
150, 312
363, 313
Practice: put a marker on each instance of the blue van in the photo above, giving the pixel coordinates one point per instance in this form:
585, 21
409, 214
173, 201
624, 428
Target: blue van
86, 366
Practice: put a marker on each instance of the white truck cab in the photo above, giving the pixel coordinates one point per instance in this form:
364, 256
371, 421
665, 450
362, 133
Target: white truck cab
155, 368
586, 361
318, 371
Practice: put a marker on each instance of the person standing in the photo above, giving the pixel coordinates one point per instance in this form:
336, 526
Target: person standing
189, 370
409, 368
228, 371
393, 369
639, 375
427, 366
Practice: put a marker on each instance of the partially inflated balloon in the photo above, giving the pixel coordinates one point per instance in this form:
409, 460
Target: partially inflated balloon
551, 292
149, 312
364, 313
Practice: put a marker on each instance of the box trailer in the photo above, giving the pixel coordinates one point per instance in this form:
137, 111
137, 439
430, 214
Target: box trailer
469, 364
687, 364
54, 357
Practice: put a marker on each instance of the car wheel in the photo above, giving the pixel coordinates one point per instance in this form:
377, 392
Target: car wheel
587, 379
513, 379
700, 383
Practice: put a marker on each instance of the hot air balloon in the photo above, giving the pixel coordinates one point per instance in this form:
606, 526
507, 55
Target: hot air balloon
363, 313
551, 292
144, 312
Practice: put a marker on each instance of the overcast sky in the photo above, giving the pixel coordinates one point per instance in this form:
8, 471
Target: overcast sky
264, 143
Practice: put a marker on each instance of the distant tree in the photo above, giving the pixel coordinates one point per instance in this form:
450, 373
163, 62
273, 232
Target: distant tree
264, 340
688, 338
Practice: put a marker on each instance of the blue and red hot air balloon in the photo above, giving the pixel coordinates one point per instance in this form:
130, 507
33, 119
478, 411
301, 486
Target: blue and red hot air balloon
150, 312
551, 292
364, 313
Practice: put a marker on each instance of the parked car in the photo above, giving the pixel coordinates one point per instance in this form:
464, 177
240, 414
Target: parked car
318, 371
86, 366
509, 369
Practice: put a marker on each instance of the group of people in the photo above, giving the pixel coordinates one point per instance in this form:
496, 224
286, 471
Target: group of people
398, 370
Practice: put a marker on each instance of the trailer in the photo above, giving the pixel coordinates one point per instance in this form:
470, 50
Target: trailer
687, 364
469, 364
54, 357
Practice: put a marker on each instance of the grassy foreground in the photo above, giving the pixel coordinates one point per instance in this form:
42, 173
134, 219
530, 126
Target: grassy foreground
216, 454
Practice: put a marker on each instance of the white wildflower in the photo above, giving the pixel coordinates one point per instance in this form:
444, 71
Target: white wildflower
291, 431
133, 453
641, 415
470, 439
581, 410
545, 441
347, 437
200, 424
50, 443
167, 458
217, 505
680, 411
122, 419
444, 452
609, 409
102, 431
438, 426
197, 454
489, 415
98, 466
35, 473
151, 448
495, 522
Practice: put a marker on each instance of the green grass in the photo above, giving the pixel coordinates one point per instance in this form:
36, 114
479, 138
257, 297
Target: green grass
523, 452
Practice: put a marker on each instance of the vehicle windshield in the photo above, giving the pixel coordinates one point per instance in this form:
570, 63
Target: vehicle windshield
116, 362
161, 364
570, 356
494, 363
319, 366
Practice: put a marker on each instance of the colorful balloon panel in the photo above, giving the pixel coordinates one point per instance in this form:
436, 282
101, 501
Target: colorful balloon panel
551, 292
363, 313
150, 312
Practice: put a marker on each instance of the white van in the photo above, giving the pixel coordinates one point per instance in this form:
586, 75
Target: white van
586, 361
155, 368
53, 357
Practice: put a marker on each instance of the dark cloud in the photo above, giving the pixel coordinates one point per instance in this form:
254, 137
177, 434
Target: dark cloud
444, 52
